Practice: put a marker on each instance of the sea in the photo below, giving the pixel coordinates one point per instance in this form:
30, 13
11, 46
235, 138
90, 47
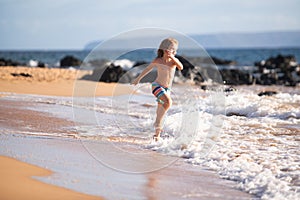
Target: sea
242, 56
250, 139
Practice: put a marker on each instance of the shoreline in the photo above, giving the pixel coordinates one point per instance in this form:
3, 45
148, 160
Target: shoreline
17, 183
84, 174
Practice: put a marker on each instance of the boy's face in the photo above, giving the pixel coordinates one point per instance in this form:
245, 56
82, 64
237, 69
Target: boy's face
172, 49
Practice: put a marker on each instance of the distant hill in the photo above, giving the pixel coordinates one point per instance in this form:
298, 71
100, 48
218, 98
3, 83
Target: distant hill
249, 40
238, 40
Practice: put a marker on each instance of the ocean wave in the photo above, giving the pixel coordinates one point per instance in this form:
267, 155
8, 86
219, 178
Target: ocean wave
257, 147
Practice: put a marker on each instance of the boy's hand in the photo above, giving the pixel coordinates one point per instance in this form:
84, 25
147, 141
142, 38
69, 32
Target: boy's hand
170, 53
175, 60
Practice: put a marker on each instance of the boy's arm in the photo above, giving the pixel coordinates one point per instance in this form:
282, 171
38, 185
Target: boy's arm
144, 73
177, 62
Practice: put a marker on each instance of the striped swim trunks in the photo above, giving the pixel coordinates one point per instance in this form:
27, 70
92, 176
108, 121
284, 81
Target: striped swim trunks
158, 91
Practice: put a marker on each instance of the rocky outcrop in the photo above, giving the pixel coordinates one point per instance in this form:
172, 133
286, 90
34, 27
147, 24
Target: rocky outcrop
279, 70
219, 61
106, 73
69, 61
236, 77
9, 62
190, 71
198, 73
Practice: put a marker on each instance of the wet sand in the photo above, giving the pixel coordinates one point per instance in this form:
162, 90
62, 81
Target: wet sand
76, 169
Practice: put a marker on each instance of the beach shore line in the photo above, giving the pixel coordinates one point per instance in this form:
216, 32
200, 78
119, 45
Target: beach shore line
74, 168
17, 183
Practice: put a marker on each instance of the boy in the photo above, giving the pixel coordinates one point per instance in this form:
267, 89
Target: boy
166, 64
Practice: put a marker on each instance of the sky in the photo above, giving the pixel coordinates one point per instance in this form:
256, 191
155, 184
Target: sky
71, 24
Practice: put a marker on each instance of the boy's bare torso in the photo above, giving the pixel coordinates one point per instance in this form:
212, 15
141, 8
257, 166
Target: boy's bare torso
165, 72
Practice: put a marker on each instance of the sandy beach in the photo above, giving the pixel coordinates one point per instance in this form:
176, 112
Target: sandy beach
53, 82
63, 162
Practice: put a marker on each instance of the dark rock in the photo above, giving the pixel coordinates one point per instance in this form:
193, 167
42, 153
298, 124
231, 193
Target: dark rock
69, 61
186, 64
189, 70
268, 79
192, 70
229, 89
110, 73
277, 71
21, 74
267, 93
204, 87
9, 62
229, 114
236, 77
219, 61
41, 65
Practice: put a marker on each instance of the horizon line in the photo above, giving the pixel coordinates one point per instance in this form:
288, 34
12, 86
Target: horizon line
207, 48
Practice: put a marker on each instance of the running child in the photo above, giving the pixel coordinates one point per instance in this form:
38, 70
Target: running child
166, 64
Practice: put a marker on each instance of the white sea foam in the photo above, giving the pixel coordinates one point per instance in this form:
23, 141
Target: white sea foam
33, 63
256, 149
124, 63
258, 146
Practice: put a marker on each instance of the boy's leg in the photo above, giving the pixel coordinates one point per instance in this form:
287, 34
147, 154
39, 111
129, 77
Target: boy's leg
158, 124
160, 113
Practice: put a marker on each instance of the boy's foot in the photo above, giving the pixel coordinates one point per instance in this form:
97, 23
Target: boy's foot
155, 138
157, 134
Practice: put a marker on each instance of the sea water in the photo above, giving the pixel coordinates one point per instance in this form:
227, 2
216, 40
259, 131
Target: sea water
243, 56
250, 139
